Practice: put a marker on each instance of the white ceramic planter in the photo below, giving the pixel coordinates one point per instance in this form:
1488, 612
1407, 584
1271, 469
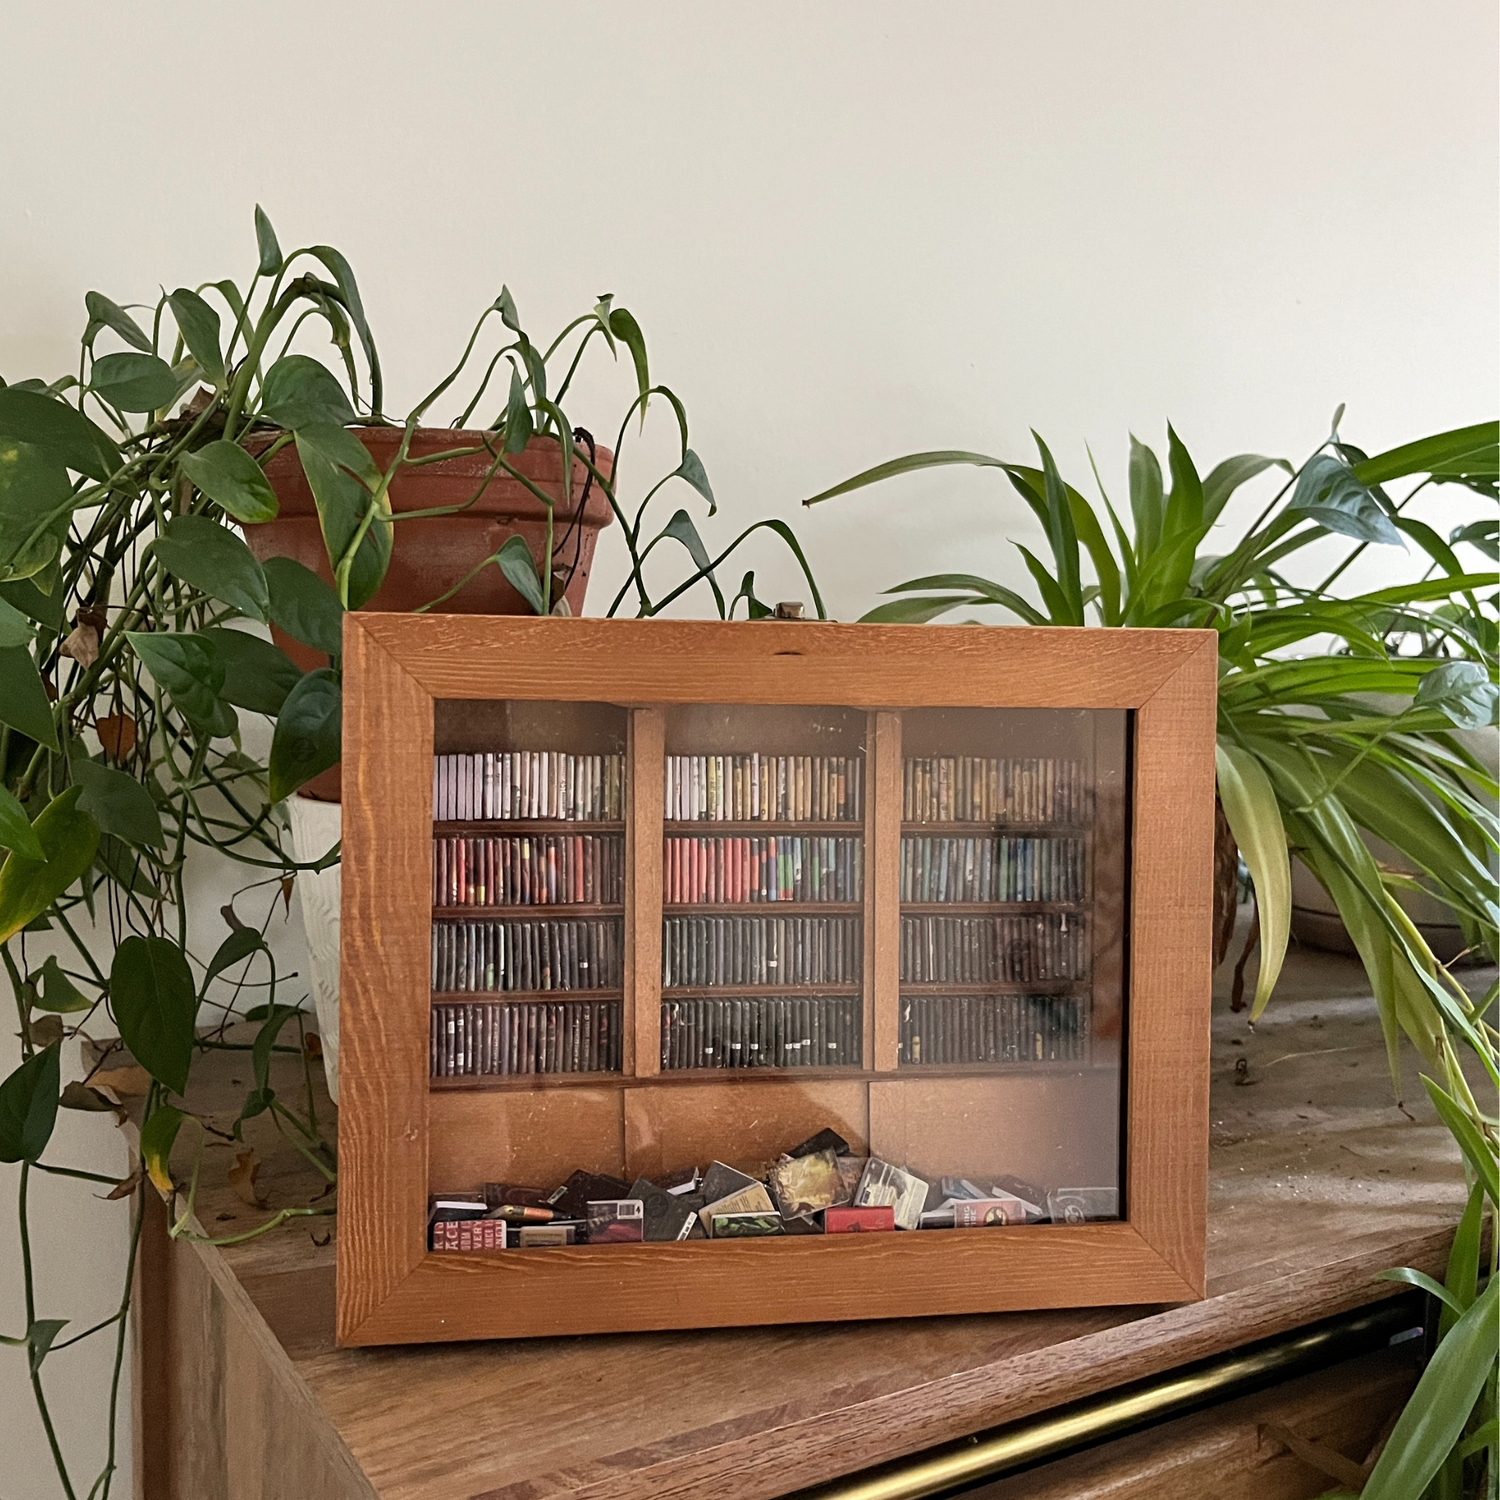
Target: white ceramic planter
316, 828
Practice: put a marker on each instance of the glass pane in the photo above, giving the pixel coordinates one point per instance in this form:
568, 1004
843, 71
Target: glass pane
763, 886
1012, 882
528, 889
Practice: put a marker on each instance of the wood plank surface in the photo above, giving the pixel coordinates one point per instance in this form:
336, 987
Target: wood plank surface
1318, 1181
670, 661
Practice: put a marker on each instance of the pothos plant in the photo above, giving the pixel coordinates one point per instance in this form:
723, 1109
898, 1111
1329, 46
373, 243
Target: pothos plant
1319, 745
130, 690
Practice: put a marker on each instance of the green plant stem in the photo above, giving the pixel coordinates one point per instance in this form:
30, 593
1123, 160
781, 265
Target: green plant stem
106, 1476
28, 1279
42, 1166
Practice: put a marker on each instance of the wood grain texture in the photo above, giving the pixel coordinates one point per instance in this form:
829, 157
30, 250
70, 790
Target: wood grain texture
531, 1136
398, 666
883, 891
643, 884
1166, 1171
1228, 1452
1318, 1183
860, 666
225, 1416
385, 975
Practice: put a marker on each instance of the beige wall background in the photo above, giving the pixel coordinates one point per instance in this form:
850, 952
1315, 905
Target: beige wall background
848, 231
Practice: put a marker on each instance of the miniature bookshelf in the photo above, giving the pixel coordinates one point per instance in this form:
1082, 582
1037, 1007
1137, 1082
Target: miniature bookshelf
627, 898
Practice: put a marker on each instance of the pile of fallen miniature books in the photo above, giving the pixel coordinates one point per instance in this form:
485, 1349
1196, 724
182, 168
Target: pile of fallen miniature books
818, 1187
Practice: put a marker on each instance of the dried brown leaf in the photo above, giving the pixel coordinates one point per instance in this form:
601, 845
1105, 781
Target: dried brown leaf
286, 891
314, 1044
242, 1177
45, 1030
117, 735
128, 1082
125, 1187
76, 1095
82, 645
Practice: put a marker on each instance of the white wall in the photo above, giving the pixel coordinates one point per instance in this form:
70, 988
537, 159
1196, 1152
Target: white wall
848, 231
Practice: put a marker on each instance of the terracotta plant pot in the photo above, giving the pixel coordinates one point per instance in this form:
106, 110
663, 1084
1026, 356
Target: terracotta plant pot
430, 555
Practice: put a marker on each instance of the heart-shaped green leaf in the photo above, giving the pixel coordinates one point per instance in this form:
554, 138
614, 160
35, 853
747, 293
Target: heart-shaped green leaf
59, 430
133, 382
308, 733
68, 837
156, 1004
185, 665
16, 831
265, 242
157, 1137
514, 560
257, 675
54, 991
304, 606
118, 803
28, 1107
231, 478
299, 392
344, 481
103, 313
23, 700
212, 558
236, 948
36, 500
199, 326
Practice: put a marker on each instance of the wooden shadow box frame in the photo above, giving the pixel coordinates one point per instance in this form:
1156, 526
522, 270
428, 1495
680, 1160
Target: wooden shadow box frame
392, 1289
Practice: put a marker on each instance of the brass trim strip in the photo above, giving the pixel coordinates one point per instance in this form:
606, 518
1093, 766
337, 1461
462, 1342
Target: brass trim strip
987, 1456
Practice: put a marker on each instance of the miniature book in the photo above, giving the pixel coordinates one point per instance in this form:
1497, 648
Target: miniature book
615, 1221
805, 1184
903, 1191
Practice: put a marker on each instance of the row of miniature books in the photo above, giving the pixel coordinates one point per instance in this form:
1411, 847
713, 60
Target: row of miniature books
993, 1029
768, 1031
763, 949
574, 953
976, 789
1009, 949
505, 784
993, 868
499, 1040
726, 870
770, 788
539, 869
820, 1186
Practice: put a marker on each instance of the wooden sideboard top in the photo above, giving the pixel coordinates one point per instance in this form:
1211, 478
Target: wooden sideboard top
1318, 1182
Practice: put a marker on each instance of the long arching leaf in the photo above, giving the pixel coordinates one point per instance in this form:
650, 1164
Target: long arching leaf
1255, 820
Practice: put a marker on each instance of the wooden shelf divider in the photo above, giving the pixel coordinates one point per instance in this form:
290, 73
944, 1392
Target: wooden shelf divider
882, 891
643, 889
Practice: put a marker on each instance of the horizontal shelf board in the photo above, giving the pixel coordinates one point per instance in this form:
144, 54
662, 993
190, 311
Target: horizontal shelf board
1002, 987
541, 910
687, 1077
945, 830
914, 1071
764, 908
990, 908
473, 828
514, 1082
519, 997
756, 991
708, 827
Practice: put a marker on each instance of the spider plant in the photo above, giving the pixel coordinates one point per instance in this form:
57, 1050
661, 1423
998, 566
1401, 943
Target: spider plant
1314, 751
